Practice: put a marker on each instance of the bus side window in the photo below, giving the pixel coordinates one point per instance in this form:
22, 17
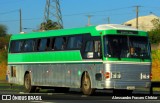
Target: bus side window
43, 44
28, 46
48, 45
52, 43
89, 49
16, 46
64, 43
58, 43
97, 50
74, 42
12, 48
38, 44
78, 42
92, 50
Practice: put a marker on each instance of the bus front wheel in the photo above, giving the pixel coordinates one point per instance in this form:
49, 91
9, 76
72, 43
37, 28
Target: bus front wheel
27, 84
86, 85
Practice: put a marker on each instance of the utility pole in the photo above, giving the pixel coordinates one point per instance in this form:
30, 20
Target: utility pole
20, 19
108, 19
89, 20
137, 15
53, 12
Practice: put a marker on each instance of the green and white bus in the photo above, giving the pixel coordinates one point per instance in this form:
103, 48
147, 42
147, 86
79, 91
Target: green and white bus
108, 56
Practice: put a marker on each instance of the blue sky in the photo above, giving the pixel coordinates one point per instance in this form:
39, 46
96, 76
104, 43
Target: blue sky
74, 12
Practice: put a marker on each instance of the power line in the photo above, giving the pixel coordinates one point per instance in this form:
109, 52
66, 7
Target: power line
109, 10
16, 20
95, 11
11, 2
9, 21
30, 19
8, 12
152, 7
116, 14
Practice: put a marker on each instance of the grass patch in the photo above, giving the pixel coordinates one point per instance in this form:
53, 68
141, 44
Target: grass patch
4, 84
156, 89
7, 86
156, 67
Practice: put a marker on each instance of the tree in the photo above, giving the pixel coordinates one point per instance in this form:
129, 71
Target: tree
154, 34
3, 30
156, 23
49, 25
4, 47
4, 42
3, 55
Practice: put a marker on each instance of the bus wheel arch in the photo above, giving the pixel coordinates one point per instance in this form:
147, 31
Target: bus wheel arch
86, 84
27, 83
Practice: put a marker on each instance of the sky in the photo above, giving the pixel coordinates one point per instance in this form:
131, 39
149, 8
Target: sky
74, 12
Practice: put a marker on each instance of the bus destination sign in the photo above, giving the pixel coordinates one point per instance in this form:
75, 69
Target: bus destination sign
126, 32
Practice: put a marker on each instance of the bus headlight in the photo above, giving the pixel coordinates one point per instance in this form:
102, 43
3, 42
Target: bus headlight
119, 75
144, 76
116, 75
113, 75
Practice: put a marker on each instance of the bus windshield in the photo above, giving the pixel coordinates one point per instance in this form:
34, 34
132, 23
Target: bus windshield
126, 47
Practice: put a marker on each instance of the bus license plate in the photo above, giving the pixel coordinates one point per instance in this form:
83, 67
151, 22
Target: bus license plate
130, 87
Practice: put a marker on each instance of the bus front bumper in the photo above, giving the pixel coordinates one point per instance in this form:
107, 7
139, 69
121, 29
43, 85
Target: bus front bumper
140, 86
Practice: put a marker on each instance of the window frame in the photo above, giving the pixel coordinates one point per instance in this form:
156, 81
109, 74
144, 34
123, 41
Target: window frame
76, 48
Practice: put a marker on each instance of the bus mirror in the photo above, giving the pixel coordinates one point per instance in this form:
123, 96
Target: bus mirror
89, 54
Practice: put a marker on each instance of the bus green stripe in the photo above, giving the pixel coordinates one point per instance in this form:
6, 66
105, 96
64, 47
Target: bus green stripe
45, 56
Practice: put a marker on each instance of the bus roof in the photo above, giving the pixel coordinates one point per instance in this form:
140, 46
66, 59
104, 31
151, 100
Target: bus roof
114, 27
93, 30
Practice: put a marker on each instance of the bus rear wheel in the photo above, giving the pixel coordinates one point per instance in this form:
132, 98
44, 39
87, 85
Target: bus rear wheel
86, 85
27, 84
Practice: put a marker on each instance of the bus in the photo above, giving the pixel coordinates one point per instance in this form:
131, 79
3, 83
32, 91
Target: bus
107, 56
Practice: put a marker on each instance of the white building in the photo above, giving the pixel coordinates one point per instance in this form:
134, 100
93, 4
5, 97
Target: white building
144, 22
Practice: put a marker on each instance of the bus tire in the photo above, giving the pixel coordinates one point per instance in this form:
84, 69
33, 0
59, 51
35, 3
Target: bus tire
27, 84
86, 85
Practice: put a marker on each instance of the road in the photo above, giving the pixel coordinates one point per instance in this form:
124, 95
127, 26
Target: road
74, 96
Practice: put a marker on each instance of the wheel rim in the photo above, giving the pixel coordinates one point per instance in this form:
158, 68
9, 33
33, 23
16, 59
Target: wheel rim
86, 83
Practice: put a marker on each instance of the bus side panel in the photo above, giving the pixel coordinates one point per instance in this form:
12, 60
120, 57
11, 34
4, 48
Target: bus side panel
57, 75
64, 75
93, 69
16, 74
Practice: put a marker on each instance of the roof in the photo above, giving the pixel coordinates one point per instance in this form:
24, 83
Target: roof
144, 22
94, 30
59, 32
114, 27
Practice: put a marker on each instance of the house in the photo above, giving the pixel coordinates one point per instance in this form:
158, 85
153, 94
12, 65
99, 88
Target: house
144, 22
